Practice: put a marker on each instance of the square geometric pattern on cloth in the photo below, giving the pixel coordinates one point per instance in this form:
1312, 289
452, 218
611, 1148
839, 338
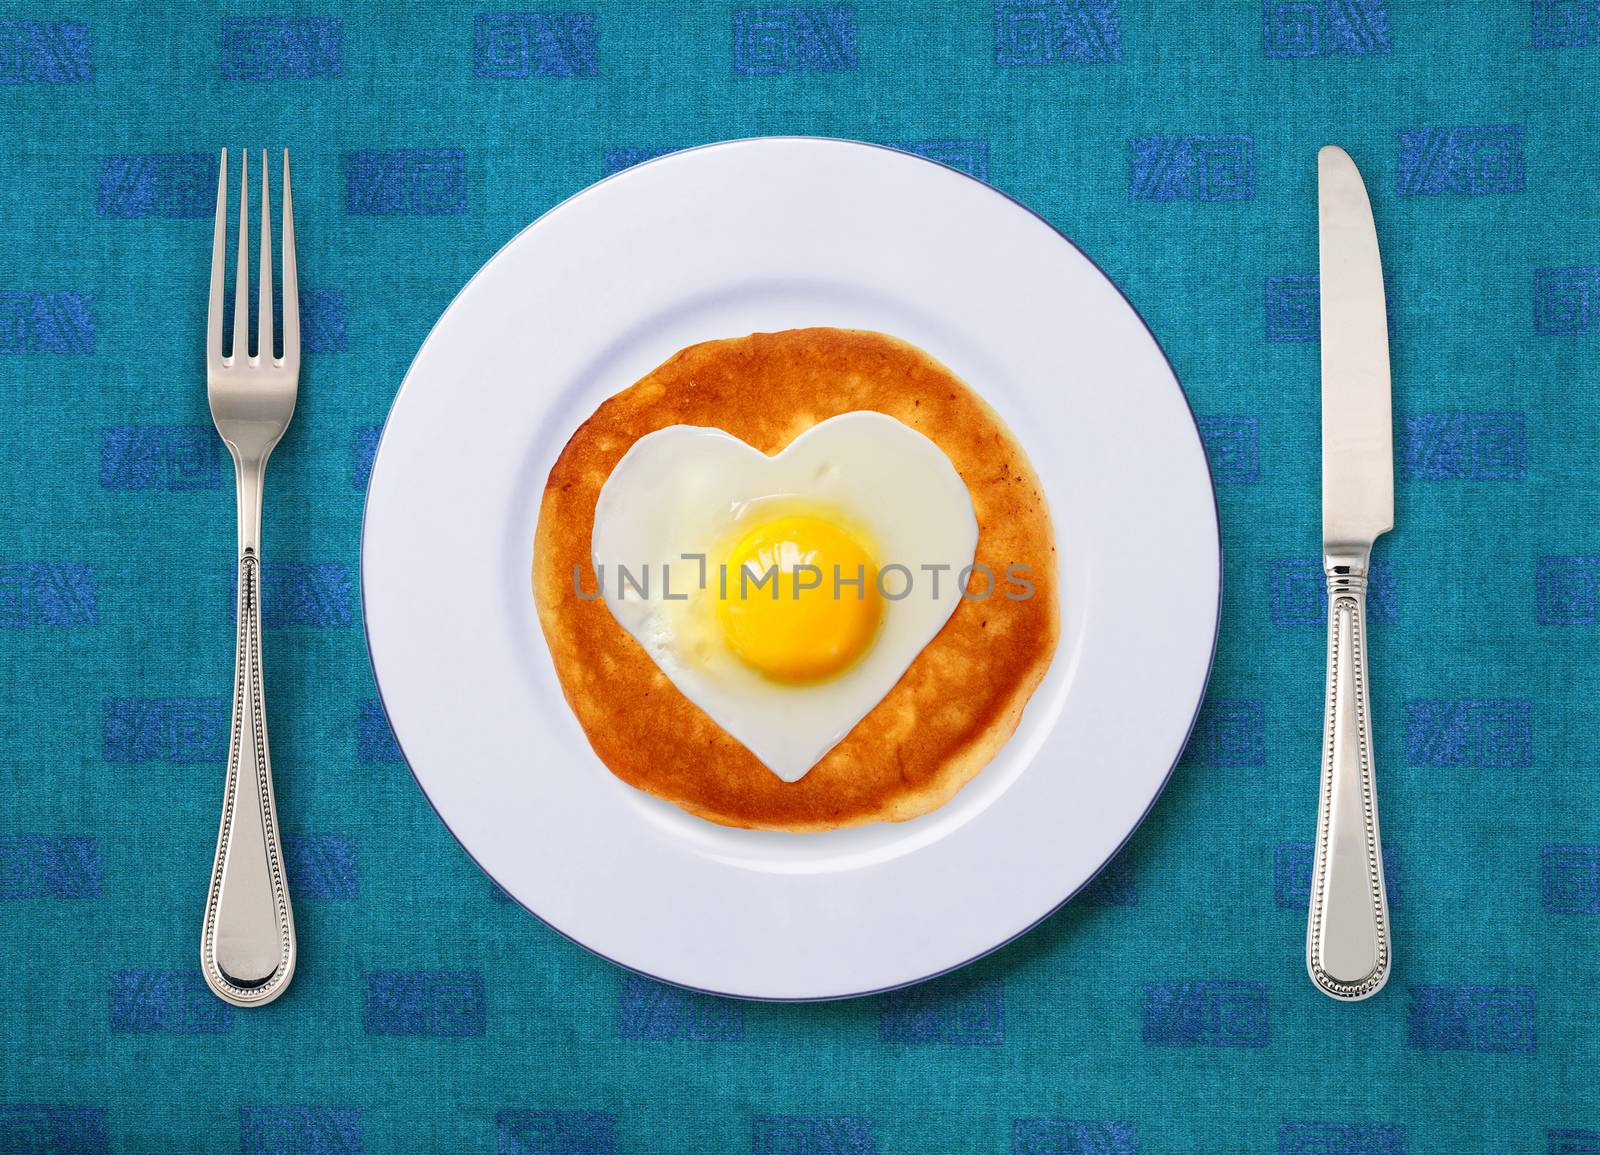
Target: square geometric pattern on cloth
1167, 1008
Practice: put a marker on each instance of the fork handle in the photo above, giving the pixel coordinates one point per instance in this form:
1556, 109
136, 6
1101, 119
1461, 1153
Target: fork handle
247, 946
1347, 936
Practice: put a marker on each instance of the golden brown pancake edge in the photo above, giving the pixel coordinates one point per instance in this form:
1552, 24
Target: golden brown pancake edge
955, 706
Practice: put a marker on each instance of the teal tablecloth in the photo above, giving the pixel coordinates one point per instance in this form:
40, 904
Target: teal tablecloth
1167, 1010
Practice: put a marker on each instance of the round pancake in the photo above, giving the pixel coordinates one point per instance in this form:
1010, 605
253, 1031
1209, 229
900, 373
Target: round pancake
957, 703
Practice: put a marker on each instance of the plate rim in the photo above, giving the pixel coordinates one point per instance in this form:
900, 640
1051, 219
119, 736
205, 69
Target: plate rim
1205, 682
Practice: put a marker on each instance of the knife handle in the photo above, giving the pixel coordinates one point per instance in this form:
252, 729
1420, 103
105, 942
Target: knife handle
1347, 935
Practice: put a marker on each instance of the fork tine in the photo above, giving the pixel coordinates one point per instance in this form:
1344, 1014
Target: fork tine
219, 259
241, 278
291, 283
264, 303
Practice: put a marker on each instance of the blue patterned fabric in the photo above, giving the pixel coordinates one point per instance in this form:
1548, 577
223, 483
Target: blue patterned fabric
1167, 1009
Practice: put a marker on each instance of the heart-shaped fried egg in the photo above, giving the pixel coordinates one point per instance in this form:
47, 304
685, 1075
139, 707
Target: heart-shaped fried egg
785, 595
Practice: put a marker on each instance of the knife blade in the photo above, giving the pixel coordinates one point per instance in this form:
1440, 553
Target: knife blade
1357, 426
1348, 948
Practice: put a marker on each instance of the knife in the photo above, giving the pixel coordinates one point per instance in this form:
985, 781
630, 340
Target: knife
1348, 948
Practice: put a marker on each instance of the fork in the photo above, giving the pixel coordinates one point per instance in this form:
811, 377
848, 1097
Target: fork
247, 946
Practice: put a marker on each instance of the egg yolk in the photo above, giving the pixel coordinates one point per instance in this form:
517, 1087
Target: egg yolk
796, 625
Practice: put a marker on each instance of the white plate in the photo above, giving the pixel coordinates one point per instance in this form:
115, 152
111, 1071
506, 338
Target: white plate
719, 242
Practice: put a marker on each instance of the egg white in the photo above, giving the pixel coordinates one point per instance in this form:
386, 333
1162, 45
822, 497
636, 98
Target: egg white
694, 490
